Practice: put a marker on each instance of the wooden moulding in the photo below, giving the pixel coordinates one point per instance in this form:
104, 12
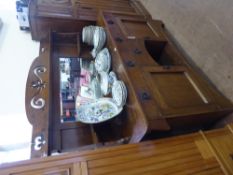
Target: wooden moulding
140, 9
37, 100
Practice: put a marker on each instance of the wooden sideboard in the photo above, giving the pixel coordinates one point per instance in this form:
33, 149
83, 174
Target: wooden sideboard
166, 95
170, 92
199, 153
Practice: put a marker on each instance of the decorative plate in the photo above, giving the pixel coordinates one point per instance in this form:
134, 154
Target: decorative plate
119, 93
103, 61
98, 111
95, 88
112, 77
104, 83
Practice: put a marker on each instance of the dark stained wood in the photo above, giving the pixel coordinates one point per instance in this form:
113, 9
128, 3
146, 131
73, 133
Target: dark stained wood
157, 71
165, 93
140, 9
197, 153
70, 15
39, 117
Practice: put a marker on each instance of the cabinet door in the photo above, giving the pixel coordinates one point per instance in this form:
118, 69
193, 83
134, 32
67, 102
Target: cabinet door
136, 27
176, 92
56, 168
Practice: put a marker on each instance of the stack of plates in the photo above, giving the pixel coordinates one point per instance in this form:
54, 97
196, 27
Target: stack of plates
96, 36
99, 40
104, 83
119, 93
103, 61
88, 34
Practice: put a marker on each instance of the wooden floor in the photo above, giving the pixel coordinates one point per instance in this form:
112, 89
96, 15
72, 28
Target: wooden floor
199, 153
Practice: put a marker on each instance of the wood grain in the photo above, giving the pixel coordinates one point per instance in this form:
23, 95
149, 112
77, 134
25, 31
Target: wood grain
177, 155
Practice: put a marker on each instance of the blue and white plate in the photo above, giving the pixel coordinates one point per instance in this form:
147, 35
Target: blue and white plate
98, 111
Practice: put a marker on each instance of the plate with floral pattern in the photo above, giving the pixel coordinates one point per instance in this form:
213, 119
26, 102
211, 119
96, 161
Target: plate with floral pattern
98, 111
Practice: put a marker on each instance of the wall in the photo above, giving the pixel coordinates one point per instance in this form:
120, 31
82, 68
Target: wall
17, 51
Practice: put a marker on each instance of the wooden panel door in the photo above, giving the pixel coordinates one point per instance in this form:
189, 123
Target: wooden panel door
55, 168
136, 27
176, 92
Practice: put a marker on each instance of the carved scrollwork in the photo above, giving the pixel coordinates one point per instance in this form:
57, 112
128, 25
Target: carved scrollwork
39, 141
38, 70
38, 103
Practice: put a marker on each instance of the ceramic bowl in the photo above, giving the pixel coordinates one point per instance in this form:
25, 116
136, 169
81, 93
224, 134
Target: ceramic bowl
99, 40
88, 34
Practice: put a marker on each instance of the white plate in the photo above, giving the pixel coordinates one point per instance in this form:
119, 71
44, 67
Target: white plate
98, 111
112, 77
124, 90
103, 61
96, 89
117, 93
104, 83
99, 40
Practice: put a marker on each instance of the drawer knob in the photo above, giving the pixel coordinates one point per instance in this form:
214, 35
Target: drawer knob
110, 22
130, 63
137, 51
119, 40
231, 155
145, 96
